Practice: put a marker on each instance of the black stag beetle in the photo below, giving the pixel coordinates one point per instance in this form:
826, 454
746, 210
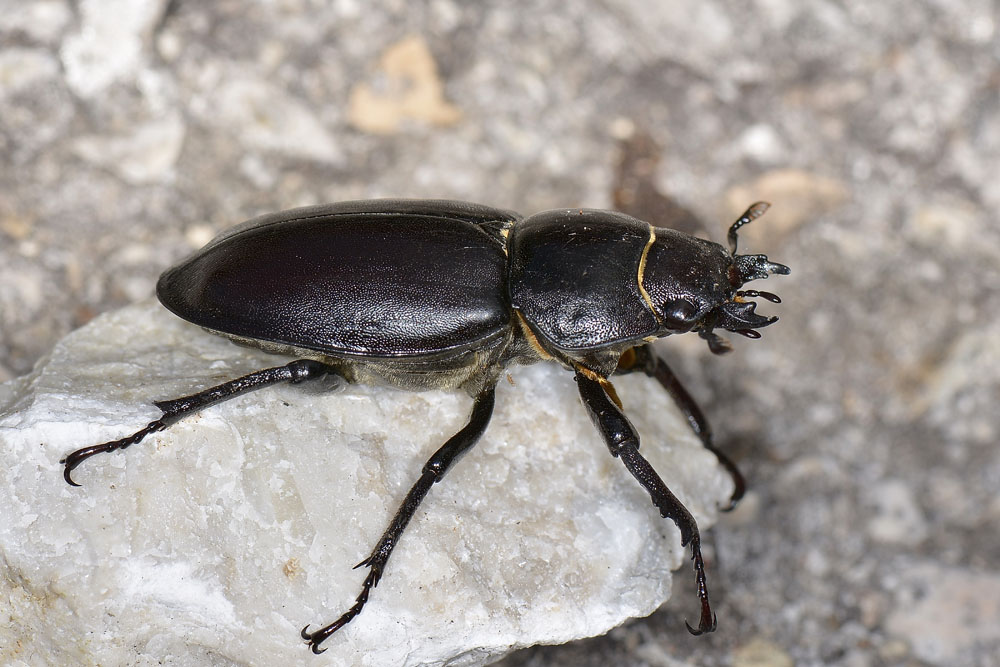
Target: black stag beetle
441, 294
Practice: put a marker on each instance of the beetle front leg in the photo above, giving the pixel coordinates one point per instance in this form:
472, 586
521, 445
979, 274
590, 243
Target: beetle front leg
297, 371
623, 441
432, 472
645, 360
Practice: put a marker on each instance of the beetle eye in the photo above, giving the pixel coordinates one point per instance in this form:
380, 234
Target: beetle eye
680, 310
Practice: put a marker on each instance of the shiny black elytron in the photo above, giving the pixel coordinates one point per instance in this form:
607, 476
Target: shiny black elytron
441, 294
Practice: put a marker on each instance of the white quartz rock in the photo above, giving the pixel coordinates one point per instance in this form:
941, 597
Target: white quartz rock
215, 541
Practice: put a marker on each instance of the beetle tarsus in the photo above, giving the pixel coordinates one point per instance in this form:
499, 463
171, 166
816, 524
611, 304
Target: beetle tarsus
708, 621
314, 639
371, 581
433, 471
704, 625
79, 456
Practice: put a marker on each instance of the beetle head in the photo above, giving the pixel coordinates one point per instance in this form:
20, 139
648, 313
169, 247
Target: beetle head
694, 285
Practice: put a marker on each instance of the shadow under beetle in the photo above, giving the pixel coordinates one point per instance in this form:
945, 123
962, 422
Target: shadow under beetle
441, 294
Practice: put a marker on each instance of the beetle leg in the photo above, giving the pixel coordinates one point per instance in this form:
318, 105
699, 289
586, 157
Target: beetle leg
175, 409
432, 472
623, 441
646, 360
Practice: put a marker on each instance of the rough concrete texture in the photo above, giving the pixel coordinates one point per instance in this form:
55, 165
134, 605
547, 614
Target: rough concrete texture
216, 541
865, 419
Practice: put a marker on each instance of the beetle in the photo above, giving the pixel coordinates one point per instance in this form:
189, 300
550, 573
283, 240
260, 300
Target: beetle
421, 294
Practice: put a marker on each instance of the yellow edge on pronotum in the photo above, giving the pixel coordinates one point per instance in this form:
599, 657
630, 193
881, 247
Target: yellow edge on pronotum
642, 270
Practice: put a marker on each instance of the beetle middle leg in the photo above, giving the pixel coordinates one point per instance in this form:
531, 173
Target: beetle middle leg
644, 359
623, 441
432, 472
297, 371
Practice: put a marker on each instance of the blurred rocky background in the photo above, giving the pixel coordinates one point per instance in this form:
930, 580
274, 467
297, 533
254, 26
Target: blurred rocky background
132, 131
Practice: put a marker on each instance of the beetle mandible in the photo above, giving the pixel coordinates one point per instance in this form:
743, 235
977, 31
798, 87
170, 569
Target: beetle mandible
440, 294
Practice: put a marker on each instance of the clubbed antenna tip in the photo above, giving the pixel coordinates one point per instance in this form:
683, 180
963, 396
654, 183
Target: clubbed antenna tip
755, 211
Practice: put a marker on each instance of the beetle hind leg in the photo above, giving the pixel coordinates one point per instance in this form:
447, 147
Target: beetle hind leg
623, 441
644, 359
433, 471
178, 408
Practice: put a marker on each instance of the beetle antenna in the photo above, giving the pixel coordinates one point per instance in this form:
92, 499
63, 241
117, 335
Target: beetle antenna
755, 211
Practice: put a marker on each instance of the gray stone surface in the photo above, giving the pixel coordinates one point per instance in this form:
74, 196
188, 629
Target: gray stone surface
865, 419
216, 541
